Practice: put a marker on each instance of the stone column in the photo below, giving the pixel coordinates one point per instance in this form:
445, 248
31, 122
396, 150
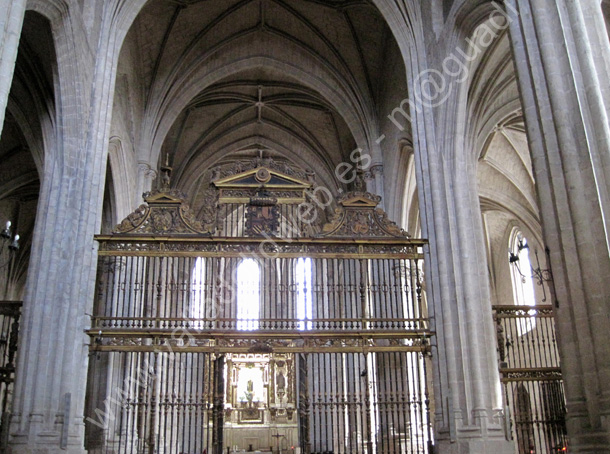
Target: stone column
468, 398
373, 176
11, 21
590, 51
467, 394
568, 139
146, 176
53, 348
377, 173
598, 44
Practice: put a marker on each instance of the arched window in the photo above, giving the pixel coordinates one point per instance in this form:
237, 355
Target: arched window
248, 295
198, 293
523, 283
304, 293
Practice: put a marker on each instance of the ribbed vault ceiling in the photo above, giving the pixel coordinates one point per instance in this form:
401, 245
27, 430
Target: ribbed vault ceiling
21, 149
505, 177
222, 81
257, 110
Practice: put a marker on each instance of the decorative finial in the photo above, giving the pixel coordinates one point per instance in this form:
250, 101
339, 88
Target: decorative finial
166, 174
311, 176
359, 184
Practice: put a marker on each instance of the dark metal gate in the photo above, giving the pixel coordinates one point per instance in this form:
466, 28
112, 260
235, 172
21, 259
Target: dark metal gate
303, 403
219, 404
10, 312
151, 401
531, 378
368, 402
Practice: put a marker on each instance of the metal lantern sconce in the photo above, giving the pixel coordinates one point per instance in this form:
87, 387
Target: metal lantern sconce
539, 275
8, 241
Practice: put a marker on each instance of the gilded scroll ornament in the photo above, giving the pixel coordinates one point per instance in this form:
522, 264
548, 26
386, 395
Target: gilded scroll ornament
358, 216
164, 213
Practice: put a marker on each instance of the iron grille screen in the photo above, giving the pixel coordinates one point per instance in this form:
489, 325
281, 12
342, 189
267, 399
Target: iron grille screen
531, 377
247, 330
334, 402
206, 292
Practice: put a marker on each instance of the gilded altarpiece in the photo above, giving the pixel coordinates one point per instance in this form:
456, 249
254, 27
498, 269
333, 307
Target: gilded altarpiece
260, 409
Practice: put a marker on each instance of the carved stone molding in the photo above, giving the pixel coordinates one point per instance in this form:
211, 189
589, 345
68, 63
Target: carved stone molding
373, 171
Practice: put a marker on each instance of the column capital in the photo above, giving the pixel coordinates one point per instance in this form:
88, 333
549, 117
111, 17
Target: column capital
145, 169
373, 171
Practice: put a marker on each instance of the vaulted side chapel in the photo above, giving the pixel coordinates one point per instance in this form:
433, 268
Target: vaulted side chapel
304, 226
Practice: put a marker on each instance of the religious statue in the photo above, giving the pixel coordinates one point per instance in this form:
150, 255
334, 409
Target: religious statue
281, 382
216, 174
250, 391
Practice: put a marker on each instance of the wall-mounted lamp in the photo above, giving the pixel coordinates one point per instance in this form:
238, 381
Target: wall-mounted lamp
514, 258
8, 241
539, 275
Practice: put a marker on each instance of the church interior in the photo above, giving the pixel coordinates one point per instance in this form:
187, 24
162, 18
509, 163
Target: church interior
304, 226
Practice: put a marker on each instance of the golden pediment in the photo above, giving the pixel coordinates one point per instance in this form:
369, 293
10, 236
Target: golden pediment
162, 197
243, 186
357, 216
360, 200
262, 176
164, 213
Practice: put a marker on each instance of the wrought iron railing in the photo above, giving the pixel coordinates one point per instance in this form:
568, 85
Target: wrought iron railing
10, 312
531, 376
353, 286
